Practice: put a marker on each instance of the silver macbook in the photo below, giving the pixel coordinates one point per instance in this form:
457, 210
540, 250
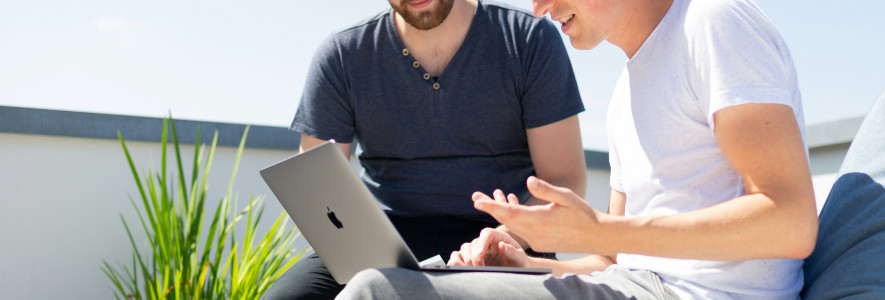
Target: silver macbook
340, 218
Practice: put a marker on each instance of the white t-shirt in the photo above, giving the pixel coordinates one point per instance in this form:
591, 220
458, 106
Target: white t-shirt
704, 56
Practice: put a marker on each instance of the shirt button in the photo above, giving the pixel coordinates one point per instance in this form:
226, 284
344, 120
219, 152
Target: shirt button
416, 64
436, 85
405, 52
426, 76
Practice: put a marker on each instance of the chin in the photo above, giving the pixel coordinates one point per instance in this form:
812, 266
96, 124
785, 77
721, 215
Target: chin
578, 45
583, 45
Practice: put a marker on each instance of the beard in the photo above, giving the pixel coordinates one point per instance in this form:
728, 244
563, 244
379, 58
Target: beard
423, 20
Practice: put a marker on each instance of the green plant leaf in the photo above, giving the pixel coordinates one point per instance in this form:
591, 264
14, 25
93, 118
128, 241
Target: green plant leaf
171, 211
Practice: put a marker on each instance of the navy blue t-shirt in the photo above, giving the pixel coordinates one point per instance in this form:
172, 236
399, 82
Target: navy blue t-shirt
428, 143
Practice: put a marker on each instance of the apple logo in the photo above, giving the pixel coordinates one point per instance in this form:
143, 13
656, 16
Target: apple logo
334, 219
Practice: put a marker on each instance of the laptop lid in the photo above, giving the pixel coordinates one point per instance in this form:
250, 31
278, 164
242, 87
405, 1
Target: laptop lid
336, 213
340, 218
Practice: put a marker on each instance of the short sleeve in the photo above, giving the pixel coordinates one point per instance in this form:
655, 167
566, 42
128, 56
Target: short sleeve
551, 90
325, 111
614, 113
615, 175
739, 56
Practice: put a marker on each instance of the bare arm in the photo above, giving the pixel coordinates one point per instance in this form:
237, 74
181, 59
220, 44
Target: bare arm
617, 203
492, 249
590, 263
558, 157
617, 206
308, 142
775, 219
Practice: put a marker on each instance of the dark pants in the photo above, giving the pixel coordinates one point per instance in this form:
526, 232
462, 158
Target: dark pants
426, 237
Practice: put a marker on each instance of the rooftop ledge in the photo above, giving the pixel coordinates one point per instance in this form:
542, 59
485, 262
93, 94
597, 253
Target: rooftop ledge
105, 126
832, 133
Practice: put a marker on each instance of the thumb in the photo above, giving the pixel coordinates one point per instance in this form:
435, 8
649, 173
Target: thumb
555, 194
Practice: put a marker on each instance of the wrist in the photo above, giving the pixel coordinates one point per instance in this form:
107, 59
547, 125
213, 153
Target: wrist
537, 262
543, 263
609, 233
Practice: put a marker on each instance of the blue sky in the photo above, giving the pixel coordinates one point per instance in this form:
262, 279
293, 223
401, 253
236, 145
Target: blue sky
244, 61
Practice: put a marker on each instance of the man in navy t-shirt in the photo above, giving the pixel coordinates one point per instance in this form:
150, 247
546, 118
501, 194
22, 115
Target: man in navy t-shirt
445, 97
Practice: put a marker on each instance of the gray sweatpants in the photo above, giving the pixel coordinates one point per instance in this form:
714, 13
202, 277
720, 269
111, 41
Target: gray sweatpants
616, 282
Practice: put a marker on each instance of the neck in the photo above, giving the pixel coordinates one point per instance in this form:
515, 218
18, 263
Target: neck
640, 19
458, 20
435, 47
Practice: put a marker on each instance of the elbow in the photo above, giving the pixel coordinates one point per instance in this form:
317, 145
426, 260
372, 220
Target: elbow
807, 244
801, 250
581, 184
575, 180
803, 241
797, 225
806, 230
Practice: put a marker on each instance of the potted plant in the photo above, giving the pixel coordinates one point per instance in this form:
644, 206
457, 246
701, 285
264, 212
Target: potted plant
180, 262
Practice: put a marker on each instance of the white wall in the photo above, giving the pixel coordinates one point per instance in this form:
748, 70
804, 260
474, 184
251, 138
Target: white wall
598, 189
61, 200
825, 162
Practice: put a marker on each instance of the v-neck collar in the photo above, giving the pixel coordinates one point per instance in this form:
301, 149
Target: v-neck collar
409, 59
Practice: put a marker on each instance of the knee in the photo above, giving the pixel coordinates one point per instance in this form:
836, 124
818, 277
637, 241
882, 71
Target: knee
368, 284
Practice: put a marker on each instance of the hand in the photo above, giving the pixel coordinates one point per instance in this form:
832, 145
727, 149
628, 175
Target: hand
566, 224
493, 247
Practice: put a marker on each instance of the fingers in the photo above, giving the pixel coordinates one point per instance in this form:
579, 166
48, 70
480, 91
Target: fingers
499, 195
466, 254
489, 205
455, 259
492, 248
509, 199
512, 199
481, 251
479, 196
484, 248
478, 252
545, 191
512, 255
501, 211
495, 235
508, 250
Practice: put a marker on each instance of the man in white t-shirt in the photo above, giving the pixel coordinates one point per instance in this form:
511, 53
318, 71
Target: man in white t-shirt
711, 190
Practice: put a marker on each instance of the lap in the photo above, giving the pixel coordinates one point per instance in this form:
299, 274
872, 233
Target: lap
306, 279
310, 279
614, 283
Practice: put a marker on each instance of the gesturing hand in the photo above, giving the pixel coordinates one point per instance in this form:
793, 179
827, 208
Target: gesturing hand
492, 248
566, 224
